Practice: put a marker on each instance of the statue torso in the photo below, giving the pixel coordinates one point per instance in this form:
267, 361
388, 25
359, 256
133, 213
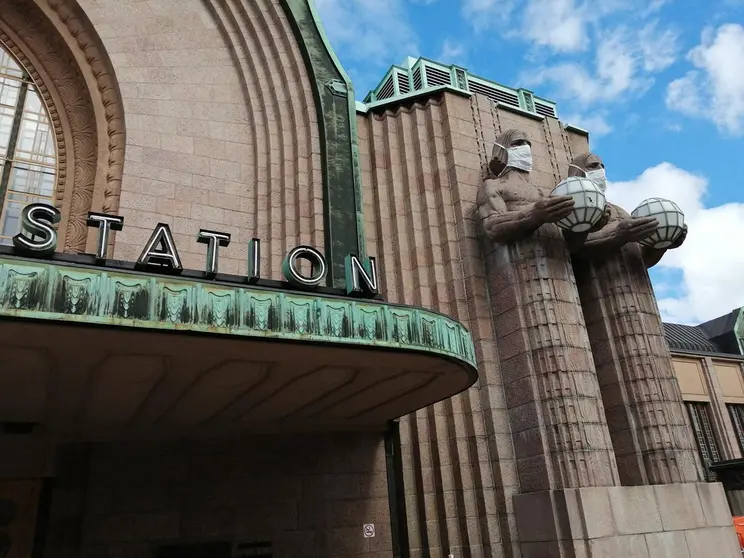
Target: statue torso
514, 188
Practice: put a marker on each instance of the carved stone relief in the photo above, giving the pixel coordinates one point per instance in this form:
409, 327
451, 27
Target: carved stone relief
60, 50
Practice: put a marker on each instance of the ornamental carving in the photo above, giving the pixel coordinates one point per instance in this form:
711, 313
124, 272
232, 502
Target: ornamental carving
57, 45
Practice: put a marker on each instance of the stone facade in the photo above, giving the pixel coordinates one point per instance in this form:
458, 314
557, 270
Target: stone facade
213, 117
470, 457
298, 496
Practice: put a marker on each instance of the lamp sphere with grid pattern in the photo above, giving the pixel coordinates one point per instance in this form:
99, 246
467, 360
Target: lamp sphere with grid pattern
589, 203
671, 221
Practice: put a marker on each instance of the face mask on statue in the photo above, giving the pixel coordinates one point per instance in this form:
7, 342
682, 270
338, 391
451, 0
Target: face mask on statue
519, 157
599, 177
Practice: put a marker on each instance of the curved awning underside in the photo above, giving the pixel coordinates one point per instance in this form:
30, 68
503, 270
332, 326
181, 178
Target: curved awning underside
89, 353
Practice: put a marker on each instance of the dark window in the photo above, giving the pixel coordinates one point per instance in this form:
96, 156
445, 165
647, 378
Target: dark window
706, 440
737, 418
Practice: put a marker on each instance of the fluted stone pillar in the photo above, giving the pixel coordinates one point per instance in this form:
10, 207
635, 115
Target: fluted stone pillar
555, 409
641, 395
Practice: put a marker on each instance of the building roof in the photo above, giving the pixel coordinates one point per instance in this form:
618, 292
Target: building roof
416, 76
688, 338
721, 325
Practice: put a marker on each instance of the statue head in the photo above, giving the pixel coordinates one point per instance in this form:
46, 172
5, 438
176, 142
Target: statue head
590, 166
511, 151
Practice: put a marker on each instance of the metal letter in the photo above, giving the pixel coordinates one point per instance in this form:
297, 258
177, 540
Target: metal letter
292, 272
37, 220
254, 261
213, 240
105, 224
361, 279
161, 251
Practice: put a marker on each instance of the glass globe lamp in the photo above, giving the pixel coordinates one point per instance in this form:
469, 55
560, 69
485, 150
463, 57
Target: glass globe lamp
589, 203
671, 221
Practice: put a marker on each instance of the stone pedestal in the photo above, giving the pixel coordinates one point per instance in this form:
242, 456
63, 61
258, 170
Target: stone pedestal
690, 520
642, 400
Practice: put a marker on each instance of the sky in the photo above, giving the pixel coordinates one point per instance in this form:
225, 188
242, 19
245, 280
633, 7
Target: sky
659, 84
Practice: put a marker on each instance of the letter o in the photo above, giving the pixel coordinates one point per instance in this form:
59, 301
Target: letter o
291, 269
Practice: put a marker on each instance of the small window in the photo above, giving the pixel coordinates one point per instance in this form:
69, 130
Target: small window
704, 435
737, 418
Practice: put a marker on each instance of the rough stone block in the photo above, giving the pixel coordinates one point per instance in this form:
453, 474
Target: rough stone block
715, 506
718, 542
596, 510
629, 546
536, 517
667, 545
679, 505
541, 550
635, 509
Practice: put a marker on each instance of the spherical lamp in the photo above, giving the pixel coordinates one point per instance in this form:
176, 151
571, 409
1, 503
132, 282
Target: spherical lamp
589, 203
671, 221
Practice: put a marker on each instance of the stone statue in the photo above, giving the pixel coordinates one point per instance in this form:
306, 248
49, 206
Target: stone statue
622, 227
555, 409
641, 395
509, 206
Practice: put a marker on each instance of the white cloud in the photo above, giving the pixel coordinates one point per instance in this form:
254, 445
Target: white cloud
715, 89
658, 48
595, 124
709, 262
557, 24
375, 32
452, 53
624, 63
484, 14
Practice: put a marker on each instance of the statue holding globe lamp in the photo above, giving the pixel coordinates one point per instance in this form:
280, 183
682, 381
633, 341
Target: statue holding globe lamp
634, 367
532, 293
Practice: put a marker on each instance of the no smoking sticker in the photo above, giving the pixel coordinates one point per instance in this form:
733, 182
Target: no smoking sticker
369, 530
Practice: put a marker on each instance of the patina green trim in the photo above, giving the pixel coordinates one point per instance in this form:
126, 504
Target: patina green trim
100, 296
336, 106
356, 160
739, 330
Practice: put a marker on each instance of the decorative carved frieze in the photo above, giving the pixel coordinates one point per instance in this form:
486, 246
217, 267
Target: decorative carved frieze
45, 291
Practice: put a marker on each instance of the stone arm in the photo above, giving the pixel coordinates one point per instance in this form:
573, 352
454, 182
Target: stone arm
619, 232
504, 226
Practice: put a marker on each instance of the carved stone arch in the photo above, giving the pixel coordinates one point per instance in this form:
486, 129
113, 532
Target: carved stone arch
58, 46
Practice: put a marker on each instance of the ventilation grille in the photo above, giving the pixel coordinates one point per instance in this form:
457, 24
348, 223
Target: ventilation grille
417, 83
403, 85
544, 110
387, 90
436, 77
494, 94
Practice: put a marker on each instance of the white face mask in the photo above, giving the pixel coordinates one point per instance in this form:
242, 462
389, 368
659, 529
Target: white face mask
599, 177
519, 157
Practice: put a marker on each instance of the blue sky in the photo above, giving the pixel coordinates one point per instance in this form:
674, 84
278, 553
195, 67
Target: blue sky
658, 83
